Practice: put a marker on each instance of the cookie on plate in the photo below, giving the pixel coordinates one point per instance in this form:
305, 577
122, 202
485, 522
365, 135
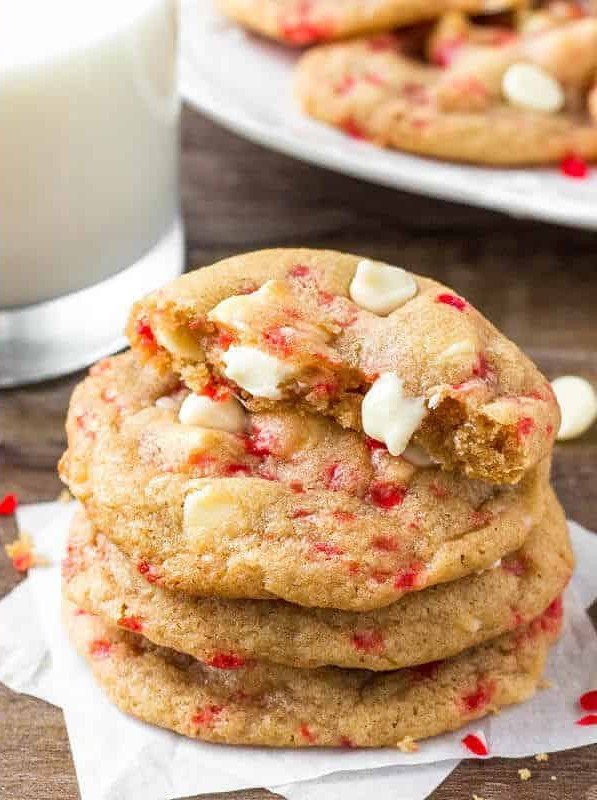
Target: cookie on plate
304, 22
273, 705
421, 627
498, 96
212, 499
380, 349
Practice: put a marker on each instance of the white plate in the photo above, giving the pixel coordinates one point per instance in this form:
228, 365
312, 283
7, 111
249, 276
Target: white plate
245, 84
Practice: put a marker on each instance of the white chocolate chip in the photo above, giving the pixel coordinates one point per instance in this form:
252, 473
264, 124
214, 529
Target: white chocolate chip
461, 348
578, 405
224, 415
381, 288
211, 511
256, 372
529, 86
178, 341
418, 457
234, 311
390, 417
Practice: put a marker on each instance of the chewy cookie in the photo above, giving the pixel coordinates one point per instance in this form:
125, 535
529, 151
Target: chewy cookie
208, 498
503, 96
303, 22
421, 627
381, 350
267, 704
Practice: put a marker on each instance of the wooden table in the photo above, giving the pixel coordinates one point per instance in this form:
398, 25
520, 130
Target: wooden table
537, 283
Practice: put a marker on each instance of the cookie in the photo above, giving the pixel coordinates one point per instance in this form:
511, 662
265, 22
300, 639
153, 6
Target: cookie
288, 506
519, 97
422, 627
273, 705
304, 22
381, 350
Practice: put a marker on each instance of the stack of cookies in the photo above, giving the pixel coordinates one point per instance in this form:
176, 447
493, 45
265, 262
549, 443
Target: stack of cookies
315, 508
506, 82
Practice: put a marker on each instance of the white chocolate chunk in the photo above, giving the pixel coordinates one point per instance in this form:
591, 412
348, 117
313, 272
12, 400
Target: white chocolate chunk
380, 288
178, 341
256, 372
234, 311
390, 417
578, 404
211, 511
529, 86
460, 348
418, 457
224, 415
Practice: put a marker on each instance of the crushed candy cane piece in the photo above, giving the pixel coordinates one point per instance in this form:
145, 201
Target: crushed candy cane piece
588, 701
22, 553
574, 167
476, 743
8, 505
589, 719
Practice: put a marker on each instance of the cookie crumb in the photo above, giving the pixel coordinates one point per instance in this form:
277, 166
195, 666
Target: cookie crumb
544, 684
524, 774
22, 553
64, 497
554, 777
541, 757
407, 745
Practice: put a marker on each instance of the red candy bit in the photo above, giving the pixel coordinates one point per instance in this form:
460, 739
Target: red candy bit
345, 741
409, 578
302, 32
217, 392
134, 624
451, 300
8, 505
368, 641
338, 477
482, 369
478, 699
207, 716
551, 619
148, 571
344, 516
385, 543
444, 53
301, 273
386, 495
524, 427
300, 513
328, 551
346, 85
278, 340
573, 166
588, 701
354, 568
145, 334
475, 743
224, 340
260, 442
373, 444
232, 470
226, 661
439, 491
297, 487
353, 128
549, 429
589, 719
514, 566
307, 733
100, 648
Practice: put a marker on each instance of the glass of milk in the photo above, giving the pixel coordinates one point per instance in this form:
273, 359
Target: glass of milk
89, 200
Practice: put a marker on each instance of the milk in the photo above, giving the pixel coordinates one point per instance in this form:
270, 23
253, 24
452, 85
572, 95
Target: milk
88, 141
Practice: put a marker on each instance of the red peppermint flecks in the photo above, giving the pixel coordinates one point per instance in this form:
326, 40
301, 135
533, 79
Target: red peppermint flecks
224, 340
301, 273
478, 699
198, 458
514, 566
344, 516
339, 477
588, 701
573, 166
482, 368
145, 333
297, 487
475, 744
307, 733
408, 578
278, 340
148, 571
134, 624
100, 648
385, 543
589, 719
233, 470
353, 128
8, 505
373, 444
437, 490
226, 661
346, 85
524, 427
207, 716
354, 568
368, 641
551, 618
299, 513
215, 391
386, 495
443, 54
327, 550
549, 429
451, 300
345, 741
260, 442
301, 31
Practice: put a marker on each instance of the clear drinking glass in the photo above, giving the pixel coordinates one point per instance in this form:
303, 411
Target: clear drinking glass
89, 190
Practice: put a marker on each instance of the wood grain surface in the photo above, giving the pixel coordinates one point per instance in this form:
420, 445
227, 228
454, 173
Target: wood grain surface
537, 283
